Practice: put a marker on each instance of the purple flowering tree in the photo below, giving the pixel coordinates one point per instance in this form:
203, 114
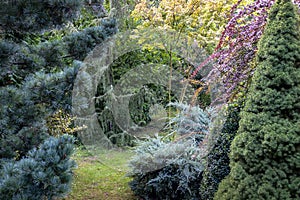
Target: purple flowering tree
237, 47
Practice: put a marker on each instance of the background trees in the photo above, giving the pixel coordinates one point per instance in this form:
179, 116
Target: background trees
204, 21
237, 47
265, 153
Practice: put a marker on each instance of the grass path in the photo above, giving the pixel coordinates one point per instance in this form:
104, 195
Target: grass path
101, 176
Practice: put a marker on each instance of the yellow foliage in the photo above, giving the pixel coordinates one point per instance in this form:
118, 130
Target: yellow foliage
204, 20
61, 123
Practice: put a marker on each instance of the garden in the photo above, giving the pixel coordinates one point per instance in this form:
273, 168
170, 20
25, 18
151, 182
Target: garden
150, 99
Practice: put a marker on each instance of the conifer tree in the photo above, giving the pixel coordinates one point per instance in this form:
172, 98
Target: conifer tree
217, 167
45, 173
22, 16
36, 81
265, 155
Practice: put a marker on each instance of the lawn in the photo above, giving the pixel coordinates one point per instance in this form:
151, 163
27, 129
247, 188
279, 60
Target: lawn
101, 175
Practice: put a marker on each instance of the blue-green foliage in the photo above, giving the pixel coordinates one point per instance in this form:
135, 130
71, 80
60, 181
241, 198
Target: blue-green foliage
20, 119
190, 120
165, 169
45, 173
36, 80
52, 55
19, 60
21, 16
24, 109
52, 90
79, 44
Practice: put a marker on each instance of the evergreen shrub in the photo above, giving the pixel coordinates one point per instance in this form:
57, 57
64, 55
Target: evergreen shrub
18, 60
79, 44
45, 173
217, 163
21, 16
264, 157
36, 81
24, 109
166, 169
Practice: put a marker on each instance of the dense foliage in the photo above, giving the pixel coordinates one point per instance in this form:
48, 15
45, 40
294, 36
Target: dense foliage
166, 169
237, 47
45, 172
24, 109
264, 156
217, 164
202, 20
21, 16
19, 60
36, 80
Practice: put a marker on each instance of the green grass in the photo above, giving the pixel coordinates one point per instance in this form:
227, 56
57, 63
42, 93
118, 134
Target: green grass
101, 176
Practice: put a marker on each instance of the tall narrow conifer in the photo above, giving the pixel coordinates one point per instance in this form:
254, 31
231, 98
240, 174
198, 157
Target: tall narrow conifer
265, 155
